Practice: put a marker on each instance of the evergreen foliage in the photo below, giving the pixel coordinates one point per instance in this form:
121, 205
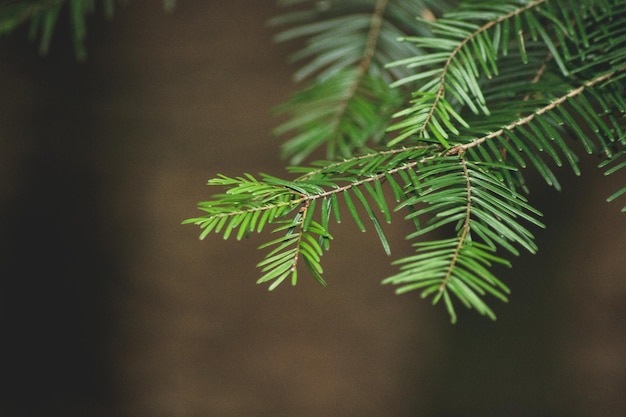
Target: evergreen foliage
426, 108
43, 15
441, 108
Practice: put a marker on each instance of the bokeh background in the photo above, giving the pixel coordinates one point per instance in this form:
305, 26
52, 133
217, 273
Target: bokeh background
110, 307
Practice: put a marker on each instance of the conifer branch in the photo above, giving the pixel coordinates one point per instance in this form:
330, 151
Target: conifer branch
529, 118
372, 36
465, 229
446, 66
42, 15
493, 86
349, 103
362, 67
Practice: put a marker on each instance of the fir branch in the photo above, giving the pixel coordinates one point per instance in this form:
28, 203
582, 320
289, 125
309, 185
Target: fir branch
455, 191
44, 14
474, 121
373, 34
359, 109
465, 51
446, 66
458, 149
465, 229
362, 67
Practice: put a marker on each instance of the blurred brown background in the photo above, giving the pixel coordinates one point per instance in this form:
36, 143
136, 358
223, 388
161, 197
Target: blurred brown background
109, 307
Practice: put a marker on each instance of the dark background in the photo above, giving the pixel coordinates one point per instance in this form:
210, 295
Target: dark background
109, 307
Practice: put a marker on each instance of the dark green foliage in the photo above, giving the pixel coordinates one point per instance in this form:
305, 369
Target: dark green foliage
438, 105
42, 16
348, 44
444, 114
